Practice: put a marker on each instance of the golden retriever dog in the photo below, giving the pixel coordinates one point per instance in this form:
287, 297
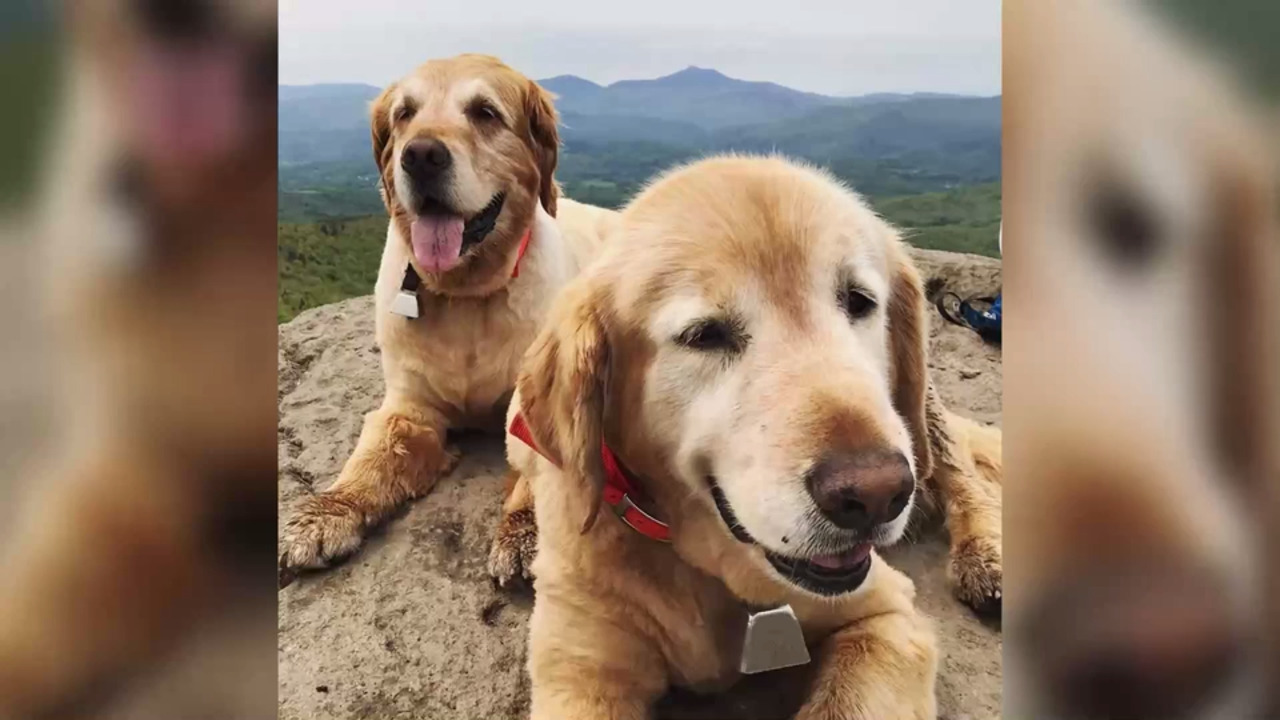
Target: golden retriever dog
1140, 369
146, 511
466, 148
749, 356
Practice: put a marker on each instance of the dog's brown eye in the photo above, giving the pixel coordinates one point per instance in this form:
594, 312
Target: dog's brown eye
405, 112
1126, 229
713, 335
856, 303
482, 112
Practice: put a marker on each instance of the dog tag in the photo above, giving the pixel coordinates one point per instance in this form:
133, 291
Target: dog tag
773, 641
406, 304
406, 301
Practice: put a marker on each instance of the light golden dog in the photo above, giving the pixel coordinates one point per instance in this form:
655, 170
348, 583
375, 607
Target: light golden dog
1140, 369
466, 148
751, 349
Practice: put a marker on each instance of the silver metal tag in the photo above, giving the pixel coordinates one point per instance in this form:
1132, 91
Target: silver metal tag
120, 239
406, 304
773, 641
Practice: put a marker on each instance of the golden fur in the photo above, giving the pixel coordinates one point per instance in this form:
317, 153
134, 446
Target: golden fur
618, 618
455, 365
160, 467
1141, 366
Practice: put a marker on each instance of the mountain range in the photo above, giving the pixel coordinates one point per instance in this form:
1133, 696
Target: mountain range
615, 136
699, 97
694, 108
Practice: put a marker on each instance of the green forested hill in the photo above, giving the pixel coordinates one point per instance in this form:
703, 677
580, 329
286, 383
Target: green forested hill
964, 220
327, 261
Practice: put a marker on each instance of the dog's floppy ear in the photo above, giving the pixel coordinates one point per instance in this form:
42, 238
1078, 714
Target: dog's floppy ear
544, 139
562, 388
908, 347
380, 131
1243, 325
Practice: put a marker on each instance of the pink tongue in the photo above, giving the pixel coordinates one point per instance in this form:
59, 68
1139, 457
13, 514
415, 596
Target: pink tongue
850, 558
437, 242
189, 103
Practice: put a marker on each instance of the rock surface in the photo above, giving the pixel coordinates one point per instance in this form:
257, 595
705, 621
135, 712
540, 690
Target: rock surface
410, 627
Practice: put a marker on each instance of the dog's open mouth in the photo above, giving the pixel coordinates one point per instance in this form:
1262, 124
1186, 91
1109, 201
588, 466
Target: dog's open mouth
833, 574
828, 574
441, 237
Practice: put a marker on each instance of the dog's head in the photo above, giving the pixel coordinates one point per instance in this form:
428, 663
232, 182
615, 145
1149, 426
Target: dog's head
187, 88
1140, 374
467, 149
755, 334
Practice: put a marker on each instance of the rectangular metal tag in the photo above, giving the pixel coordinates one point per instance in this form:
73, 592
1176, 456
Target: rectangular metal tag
773, 641
406, 304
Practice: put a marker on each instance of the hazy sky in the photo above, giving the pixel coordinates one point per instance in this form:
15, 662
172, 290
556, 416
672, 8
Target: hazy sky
837, 47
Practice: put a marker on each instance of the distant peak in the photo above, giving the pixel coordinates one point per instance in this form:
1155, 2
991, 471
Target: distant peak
567, 79
697, 77
700, 72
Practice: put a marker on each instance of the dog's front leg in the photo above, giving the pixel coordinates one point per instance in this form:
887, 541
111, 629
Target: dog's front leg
879, 668
589, 667
103, 576
970, 483
399, 456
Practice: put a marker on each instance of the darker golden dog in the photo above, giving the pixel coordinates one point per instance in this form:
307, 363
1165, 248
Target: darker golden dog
157, 259
466, 148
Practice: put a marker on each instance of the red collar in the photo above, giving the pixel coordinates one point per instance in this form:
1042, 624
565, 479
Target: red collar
524, 247
618, 490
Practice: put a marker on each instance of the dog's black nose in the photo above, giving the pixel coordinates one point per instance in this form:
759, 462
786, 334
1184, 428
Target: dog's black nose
861, 489
1132, 643
425, 159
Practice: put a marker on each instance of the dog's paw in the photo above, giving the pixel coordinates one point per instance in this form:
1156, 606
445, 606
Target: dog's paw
977, 574
323, 529
513, 549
